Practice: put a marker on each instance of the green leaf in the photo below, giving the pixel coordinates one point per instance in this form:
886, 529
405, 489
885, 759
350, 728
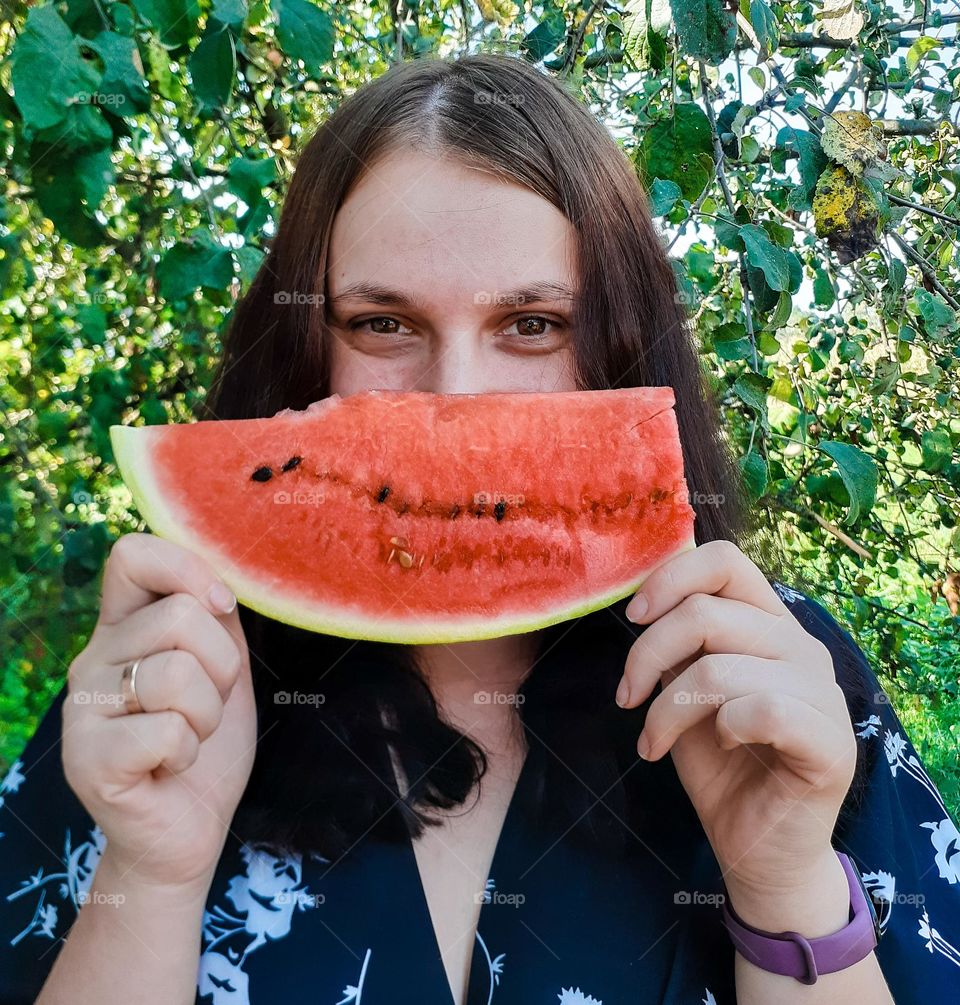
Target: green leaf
731, 342
547, 35
231, 13
795, 267
663, 196
919, 49
84, 551
812, 161
48, 72
752, 389
940, 319
781, 313
305, 32
247, 177
213, 67
763, 254
249, 259
174, 20
753, 471
823, 291
69, 190
123, 88
706, 29
679, 149
764, 23
645, 24
93, 324
859, 473
937, 449
187, 267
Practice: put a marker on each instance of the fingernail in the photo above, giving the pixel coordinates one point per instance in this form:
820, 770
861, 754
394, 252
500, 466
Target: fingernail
643, 746
222, 598
637, 607
623, 692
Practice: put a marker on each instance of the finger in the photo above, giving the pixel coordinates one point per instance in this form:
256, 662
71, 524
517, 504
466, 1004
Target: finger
176, 681
179, 621
143, 567
809, 741
706, 685
718, 567
134, 745
713, 625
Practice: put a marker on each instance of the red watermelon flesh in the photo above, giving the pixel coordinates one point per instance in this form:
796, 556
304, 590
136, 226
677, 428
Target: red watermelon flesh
422, 518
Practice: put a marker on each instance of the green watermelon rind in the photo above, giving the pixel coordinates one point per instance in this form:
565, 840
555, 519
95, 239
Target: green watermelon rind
132, 454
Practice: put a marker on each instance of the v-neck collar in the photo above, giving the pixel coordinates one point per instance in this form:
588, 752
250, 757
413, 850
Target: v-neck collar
499, 865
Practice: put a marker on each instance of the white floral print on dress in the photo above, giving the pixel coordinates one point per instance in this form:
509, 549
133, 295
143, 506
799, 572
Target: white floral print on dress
80, 865
264, 897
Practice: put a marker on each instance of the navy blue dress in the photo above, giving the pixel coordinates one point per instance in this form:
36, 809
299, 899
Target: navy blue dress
555, 924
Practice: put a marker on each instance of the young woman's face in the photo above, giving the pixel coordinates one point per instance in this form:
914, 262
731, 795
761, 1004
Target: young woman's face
444, 279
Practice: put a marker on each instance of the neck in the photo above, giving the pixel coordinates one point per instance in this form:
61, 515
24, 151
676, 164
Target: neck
475, 683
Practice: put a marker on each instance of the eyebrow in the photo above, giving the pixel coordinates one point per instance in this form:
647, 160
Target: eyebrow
537, 292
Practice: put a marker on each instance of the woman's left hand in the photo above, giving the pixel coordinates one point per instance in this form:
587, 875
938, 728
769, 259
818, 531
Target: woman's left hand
751, 712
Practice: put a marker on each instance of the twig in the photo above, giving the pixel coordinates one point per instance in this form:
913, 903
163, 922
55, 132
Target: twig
926, 268
570, 58
731, 208
920, 208
832, 528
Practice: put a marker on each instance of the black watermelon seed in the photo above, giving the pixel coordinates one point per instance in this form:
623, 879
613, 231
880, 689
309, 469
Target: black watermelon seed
263, 474
382, 495
292, 463
499, 510
454, 512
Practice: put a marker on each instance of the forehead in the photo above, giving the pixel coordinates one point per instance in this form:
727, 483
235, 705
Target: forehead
445, 229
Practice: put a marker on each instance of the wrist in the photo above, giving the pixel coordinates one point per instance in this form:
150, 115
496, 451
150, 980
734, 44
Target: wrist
814, 903
124, 885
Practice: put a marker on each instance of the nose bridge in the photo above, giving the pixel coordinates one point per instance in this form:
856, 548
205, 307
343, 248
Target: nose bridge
454, 366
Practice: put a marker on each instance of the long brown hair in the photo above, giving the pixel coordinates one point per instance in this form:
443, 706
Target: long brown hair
312, 786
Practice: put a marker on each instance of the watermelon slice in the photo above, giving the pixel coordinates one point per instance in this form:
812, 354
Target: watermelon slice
422, 518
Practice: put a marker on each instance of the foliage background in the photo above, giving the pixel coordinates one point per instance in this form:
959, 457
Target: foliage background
801, 160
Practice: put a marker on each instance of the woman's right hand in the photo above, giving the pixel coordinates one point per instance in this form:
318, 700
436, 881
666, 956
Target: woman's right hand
162, 783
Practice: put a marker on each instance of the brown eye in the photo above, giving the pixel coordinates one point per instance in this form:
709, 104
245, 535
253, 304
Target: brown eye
380, 326
533, 329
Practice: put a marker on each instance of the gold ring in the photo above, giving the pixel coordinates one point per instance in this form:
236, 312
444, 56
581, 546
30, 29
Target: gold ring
128, 685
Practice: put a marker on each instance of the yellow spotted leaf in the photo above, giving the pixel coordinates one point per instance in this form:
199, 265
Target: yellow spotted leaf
846, 212
853, 140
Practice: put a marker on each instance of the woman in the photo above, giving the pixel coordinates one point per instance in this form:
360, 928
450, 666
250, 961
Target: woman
356, 858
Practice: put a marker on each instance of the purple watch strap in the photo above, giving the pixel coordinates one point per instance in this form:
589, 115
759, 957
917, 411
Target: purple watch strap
790, 954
